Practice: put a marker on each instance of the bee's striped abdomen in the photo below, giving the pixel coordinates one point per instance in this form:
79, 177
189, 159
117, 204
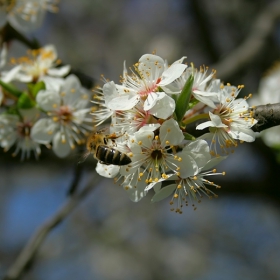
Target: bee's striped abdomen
109, 155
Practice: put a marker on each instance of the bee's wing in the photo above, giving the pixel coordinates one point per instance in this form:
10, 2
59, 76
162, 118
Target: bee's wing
84, 157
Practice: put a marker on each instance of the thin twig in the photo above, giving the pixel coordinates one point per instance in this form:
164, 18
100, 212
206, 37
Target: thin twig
29, 251
255, 41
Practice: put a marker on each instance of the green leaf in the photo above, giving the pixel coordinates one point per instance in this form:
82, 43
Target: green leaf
11, 89
189, 136
35, 88
182, 104
25, 102
193, 102
164, 192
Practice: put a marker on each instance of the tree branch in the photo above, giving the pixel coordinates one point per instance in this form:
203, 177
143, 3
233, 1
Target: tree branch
245, 52
266, 115
28, 253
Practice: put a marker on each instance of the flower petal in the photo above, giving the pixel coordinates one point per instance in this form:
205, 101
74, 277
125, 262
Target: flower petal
108, 171
164, 107
172, 73
48, 100
171, 132
164, 193
43, 131
61, 148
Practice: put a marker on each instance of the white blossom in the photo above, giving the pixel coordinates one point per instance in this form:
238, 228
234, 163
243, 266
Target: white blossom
67, 121
150, 75
189, 183
230, 120
40, 64
151, 154
26, 15
15, 130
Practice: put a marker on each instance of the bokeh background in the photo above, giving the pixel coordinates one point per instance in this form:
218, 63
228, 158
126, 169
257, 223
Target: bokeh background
108, 237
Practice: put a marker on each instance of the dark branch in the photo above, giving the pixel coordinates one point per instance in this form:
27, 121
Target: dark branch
266, 115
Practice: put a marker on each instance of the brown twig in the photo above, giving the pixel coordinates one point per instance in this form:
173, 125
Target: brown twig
266, 115
29, 251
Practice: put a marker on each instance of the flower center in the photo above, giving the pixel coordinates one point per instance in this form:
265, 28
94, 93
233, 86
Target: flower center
156, 155
64, 115
24, 129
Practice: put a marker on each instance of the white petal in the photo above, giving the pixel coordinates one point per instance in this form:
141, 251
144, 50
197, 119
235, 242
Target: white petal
123, 102
134, 188
204, 125
213, 162
11, 75
164, 193
149, 127
109, 91
207, 98
170, 131
179, 61
60, 148
59, 72
146, 137
188, 166
152, 99
216, 120
199, 151
243, 134
164, 107
35, 17
43, 131
172, 73
72, 83
52, 83
108, 171
48, 100
152, 64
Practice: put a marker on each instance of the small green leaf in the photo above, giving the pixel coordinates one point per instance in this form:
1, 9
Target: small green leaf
35, 88
164, 192
10, 88
189, 136
182, 104
25, 102
193, 102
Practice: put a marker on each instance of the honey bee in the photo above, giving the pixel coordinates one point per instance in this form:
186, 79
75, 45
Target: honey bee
97, 144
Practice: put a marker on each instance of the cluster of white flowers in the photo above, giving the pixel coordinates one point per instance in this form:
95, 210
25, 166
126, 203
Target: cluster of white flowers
148, 144
46, 108
151, 109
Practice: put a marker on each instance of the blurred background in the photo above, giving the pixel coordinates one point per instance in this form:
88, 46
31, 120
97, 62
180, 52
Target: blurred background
108, 237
